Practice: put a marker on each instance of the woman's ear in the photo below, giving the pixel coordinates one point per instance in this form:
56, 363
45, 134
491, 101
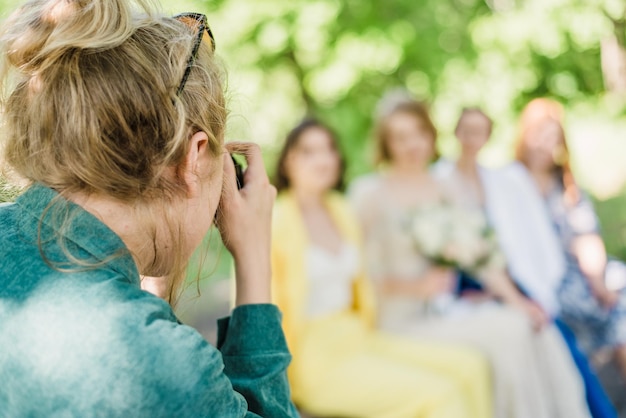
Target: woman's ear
197, 165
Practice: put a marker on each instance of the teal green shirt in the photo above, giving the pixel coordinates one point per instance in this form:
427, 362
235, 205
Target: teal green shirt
88, 342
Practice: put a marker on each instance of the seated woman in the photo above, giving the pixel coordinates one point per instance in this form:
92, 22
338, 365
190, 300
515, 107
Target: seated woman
595, 314
341, 365
115, 117
532, 376
524, 232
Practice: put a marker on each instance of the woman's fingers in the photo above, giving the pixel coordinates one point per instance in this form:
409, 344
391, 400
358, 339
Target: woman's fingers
230, 178
252, 152
245, 222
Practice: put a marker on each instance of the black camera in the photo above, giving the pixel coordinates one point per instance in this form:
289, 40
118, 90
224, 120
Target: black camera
239, 170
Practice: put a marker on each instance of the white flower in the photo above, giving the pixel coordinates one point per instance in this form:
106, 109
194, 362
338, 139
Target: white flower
428, 229
427, 236
476, 221
433, 247
454, 236
496, 262
451, 252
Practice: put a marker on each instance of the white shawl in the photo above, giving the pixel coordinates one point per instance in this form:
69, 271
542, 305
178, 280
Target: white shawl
524, 230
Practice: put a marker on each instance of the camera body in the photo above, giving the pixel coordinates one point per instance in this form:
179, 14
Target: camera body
239, 171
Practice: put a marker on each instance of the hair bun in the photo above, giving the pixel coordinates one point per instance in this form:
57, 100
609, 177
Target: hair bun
41, 31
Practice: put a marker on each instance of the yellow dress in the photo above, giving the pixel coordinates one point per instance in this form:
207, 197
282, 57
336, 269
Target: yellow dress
342, 366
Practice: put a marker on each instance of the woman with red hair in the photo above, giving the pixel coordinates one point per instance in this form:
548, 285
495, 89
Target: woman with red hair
596, 314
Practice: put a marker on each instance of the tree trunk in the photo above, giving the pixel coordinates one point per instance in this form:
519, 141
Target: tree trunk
613, 55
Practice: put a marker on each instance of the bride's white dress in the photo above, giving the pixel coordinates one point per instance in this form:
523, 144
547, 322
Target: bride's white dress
534, 375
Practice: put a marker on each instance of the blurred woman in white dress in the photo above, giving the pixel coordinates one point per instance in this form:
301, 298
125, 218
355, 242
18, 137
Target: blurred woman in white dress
532, 377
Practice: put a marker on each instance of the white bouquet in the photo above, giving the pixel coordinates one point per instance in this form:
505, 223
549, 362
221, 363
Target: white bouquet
450, 236
457, 238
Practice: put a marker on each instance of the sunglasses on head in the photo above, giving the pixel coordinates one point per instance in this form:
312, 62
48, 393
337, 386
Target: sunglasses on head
198, 23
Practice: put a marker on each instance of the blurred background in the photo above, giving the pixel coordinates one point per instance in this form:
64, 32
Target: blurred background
335, 59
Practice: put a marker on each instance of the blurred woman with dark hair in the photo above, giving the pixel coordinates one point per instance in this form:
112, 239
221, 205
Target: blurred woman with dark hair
596, 314
531, 376
341, 365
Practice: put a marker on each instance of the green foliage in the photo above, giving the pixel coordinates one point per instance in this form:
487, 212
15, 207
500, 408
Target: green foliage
8, 192
611, 213
335, 59
211, 260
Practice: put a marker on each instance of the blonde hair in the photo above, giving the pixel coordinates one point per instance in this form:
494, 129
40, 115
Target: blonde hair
90, 102
418, 110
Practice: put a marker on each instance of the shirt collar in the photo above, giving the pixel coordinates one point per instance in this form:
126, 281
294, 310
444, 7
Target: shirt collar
83, 229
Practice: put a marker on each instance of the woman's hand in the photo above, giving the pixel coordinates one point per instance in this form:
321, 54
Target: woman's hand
434, 282
537, 316
591, 255
499, 283
244, 221
607, 298
437, 281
